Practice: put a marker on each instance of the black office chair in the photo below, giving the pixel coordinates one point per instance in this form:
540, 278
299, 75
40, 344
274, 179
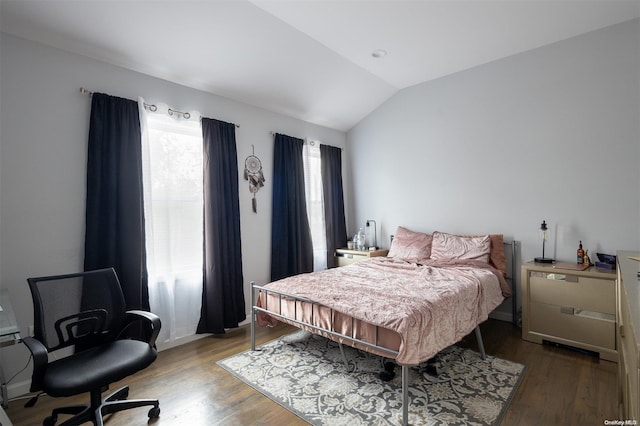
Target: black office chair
87, 310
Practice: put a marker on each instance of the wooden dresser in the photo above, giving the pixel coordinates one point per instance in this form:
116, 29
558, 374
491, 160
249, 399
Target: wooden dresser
345, 256
628, 336
573, 308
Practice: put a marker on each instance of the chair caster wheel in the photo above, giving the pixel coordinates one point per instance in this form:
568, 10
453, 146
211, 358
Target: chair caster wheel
154, 412
50, 421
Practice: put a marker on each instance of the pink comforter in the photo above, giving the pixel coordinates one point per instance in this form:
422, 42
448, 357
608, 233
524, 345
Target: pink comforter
430, 306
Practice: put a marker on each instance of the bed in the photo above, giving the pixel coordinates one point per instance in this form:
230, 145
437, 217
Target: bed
428, 293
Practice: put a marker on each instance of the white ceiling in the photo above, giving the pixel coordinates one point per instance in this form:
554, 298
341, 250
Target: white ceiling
307, 59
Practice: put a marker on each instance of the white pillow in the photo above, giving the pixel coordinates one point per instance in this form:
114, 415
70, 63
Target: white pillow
448, 246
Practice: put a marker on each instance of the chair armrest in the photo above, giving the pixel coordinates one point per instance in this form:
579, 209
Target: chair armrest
151, 319
40, 360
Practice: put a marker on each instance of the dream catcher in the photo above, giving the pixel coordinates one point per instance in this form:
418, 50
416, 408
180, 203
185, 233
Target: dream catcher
253, 173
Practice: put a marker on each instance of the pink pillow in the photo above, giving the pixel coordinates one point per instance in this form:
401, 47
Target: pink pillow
410, 246
448, 246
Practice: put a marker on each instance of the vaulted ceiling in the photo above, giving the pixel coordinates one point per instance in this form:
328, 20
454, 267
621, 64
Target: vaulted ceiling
313, 59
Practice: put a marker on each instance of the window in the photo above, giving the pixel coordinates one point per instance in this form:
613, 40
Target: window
315, 203
173, 192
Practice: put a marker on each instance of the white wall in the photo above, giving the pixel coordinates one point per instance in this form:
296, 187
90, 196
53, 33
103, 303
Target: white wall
552, 133
43, 134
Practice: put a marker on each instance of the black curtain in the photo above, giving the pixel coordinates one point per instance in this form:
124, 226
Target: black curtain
336, 229
291, 247
114, 208
222, 295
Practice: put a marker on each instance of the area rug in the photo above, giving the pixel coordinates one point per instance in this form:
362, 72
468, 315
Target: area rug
306, 374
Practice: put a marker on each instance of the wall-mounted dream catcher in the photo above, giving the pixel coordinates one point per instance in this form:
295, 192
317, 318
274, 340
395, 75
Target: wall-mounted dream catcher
253, 173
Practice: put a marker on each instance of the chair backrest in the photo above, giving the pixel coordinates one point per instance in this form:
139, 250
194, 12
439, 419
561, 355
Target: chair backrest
82, 309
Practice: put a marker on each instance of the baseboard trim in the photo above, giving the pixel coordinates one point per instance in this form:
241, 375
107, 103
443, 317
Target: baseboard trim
18, 389
179, 342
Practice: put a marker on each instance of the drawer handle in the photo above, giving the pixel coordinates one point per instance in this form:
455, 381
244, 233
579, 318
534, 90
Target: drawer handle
567, 310
572, 279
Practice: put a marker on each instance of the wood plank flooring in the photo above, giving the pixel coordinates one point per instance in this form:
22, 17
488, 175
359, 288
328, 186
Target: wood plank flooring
561, 386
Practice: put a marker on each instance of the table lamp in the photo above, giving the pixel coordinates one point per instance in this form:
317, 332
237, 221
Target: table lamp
543, 236
373, 241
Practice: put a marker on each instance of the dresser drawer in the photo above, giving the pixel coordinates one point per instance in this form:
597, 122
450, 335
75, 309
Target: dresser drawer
348, 259
591, 294
582, 326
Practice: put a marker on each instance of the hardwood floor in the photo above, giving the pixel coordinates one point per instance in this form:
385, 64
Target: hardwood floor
561, 386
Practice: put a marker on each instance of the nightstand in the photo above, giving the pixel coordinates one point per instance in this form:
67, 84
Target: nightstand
573, 308
345, 256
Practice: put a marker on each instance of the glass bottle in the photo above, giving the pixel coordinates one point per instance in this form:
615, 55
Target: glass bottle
580, 254
360, 240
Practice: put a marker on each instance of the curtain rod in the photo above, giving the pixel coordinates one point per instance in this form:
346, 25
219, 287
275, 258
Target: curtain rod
311, 141
152, 107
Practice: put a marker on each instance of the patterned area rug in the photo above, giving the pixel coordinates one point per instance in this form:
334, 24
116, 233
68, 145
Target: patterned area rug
306, 374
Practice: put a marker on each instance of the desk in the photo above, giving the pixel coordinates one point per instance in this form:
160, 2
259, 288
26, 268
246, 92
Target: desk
9, 335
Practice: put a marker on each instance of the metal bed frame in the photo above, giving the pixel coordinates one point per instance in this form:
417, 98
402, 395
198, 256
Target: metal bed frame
352, 339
